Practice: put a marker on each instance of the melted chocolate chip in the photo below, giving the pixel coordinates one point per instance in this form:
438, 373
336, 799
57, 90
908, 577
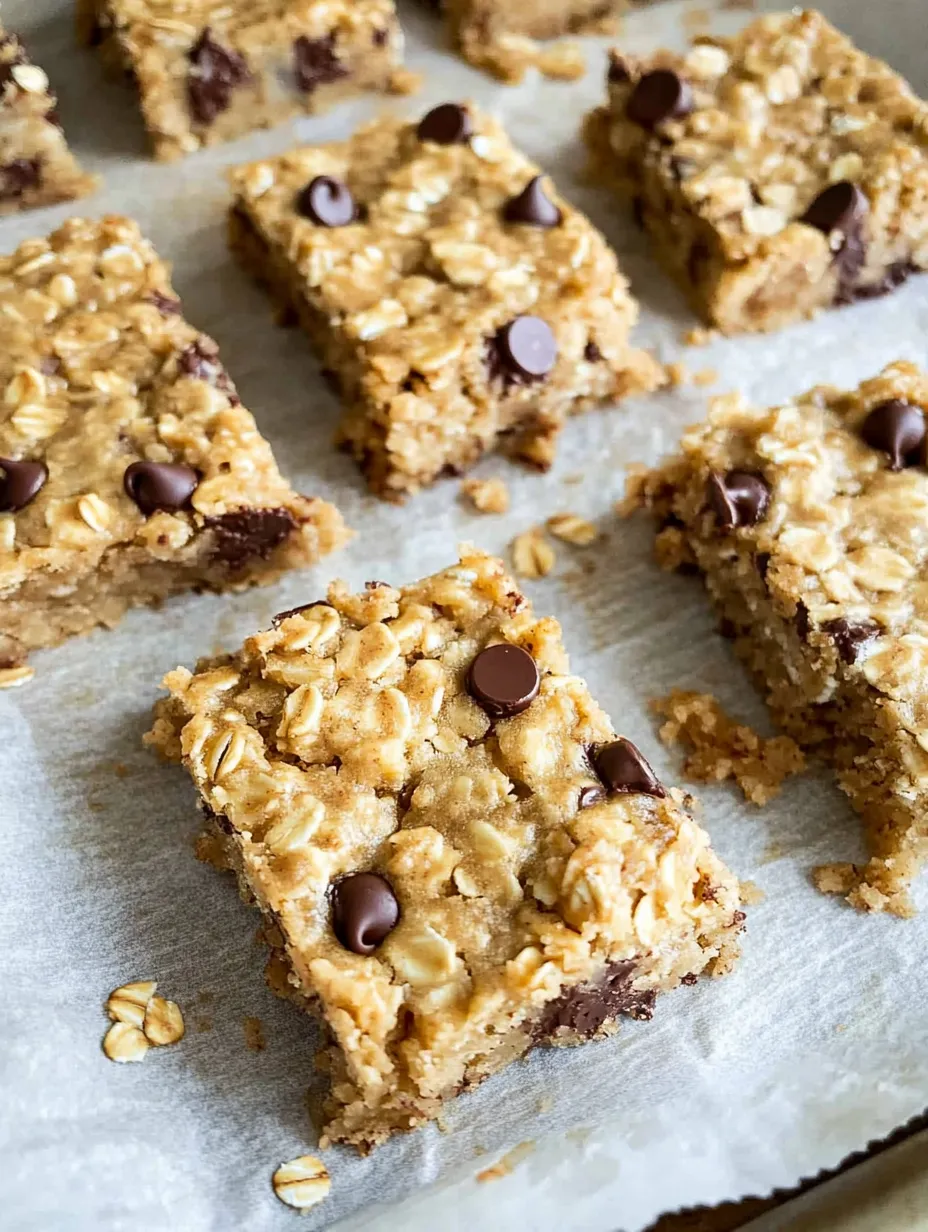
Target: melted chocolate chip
216, 72
802, 620
18, 176
894, 276
249, 533
327, 202
532, 206
504, 680
449, 124
585, 1008
160, 485
618, 69
591, 353
591, 794
526, 349
622, 769
850, 636
739, 498
364, 911
896, 428
659, 95
840, 207
201, 361
315, 63
20, 482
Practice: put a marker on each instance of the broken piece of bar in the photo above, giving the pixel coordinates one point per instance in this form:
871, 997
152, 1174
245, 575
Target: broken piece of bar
458, 856
129, 470
809, 523
455, 298
779, 171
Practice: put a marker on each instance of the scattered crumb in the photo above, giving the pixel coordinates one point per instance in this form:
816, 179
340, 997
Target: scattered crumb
700, 336
532, 554
486, 495
140, 1018
13, 677
302, 1183
751, 894
443, 1126
254, 1034
562, 62
404, 81
121, 770
676, 374
574, 477
722, 749
507, 1164
842, 1026
571, 528
694, 20
773, 851
202, 1024
545, 1104
705, 376
835, 878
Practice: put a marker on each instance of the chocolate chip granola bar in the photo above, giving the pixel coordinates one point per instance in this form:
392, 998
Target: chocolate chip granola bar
809, 523
36, 164
458, 856
129, 470
455, 298
778, 172
210, 70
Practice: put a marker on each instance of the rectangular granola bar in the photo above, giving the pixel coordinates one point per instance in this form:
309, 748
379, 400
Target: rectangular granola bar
458, 857
453, 296
778, 172
211, 70
129, 470
809, 523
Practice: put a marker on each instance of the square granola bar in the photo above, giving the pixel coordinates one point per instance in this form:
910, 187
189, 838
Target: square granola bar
211, 70
809, 523
778, 172
454, 297
129, 470
458, 857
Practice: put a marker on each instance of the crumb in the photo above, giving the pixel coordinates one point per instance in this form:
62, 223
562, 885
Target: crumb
203, 1024
532, 554
442, 1124
545, 1104
486, 495
509, 1161
404, 81
574, 477
720, 749
209, 850
676, 374
841, 1027
705, 376
562, 62
700, 336
773, 851
254, 1034
694, 20
120, 769
571, 528
751, 894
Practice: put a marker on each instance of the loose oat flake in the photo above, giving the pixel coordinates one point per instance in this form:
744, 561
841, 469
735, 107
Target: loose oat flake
302, 1183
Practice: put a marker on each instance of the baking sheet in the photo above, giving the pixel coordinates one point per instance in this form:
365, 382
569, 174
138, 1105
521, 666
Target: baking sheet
814, 1046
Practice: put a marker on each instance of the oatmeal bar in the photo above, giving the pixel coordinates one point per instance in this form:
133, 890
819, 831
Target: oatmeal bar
36, 165
452, 294
779, 172
129, 470
211, 70
458, 856
809, 523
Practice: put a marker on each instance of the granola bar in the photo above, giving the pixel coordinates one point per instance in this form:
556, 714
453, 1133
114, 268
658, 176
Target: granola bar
454, 297
36, 164
129, 470
458, 857
778, 172
211, 70
808, 522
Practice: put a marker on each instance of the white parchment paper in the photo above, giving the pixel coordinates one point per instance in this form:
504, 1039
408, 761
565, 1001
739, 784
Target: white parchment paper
815, 1045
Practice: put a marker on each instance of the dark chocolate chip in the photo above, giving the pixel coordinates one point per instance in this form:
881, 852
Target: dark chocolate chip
839, 207
201, 361
364, 911
591, 353
527, 348
379, 38
850, 636
585, 1008
250, 533
659, 95
894, 276
896, 428
160, 485
802, 621
504, 680
448, 124
762, 564
327, 202
20, 482
618, 69
18, 176
622, 769
728, 629
532, 206
689, 979
739, 498
216, 72
591, 794
315, 63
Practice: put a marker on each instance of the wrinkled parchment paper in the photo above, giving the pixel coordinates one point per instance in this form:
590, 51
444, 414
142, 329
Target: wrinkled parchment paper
816, 1043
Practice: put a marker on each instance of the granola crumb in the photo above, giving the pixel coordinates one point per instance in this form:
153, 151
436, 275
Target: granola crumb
571, 528
751, 894
676, 373
694, 20
404, 81
209, 850
705, 376
254, 1034
532, 554
700, 336
636, 477
562, 62
124, 1043
507, 1163
486, 495
720, 749
302, 1183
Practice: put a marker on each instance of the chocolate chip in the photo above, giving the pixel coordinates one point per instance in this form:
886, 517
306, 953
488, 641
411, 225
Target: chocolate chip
591, 353
20, 482
898, 429
618, 69
449, 124
622, 769
201, 361
839, 207
504, 680
659, 95
216, 72
364, 911
166, 304
327, 202
249, 533
527, 348
532, 206
850, 636
585, 1008
894, 276
18, 176
160, 485
379, 37
739, 498
589, 795
802, 621
315, 63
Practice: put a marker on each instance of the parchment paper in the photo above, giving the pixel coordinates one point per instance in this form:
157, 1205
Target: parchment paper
814, 1046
